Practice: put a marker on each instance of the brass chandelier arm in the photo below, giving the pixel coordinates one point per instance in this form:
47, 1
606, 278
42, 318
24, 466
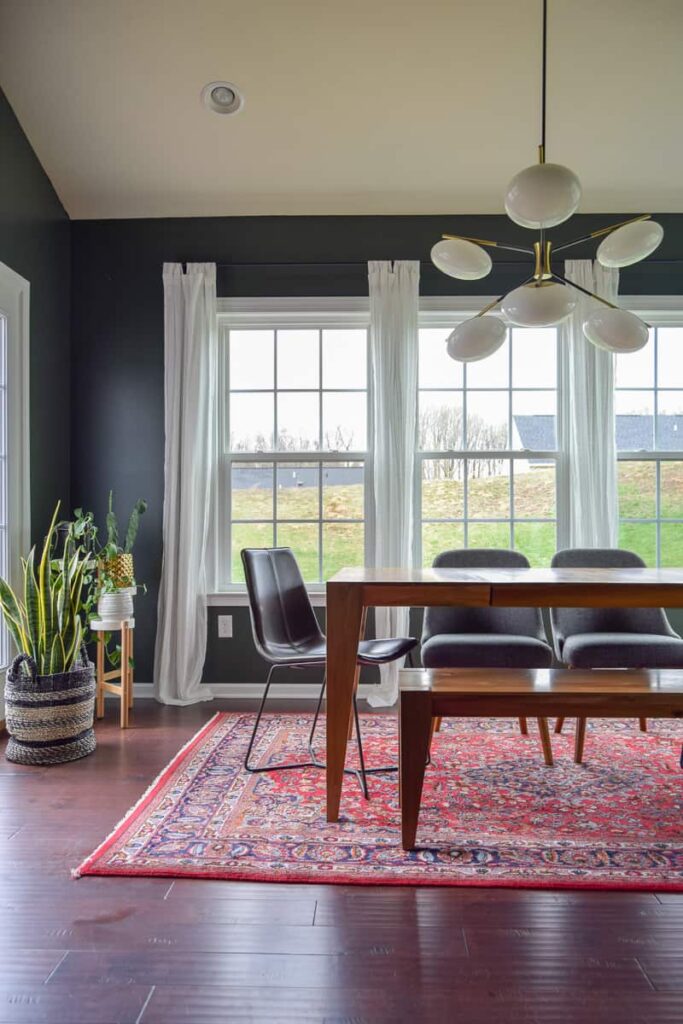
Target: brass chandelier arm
602, 231
492, 305
585, 291
579, 288
490, 244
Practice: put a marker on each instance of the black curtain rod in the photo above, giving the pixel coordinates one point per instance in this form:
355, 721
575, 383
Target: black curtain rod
364, 263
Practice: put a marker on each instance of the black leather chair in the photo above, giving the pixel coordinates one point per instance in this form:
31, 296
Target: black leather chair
610, 637
486, 637
287, 634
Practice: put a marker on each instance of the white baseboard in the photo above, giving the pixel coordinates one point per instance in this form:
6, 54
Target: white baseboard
242, 691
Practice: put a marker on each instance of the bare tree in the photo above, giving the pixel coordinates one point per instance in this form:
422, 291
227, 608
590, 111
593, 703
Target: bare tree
441, 429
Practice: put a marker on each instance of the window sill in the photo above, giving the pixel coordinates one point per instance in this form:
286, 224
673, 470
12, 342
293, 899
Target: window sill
239, 598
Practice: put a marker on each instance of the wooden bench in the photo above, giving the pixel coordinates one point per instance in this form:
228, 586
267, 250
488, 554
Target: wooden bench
427, 694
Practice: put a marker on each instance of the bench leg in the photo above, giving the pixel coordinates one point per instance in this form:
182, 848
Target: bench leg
580, 738
643, 724
559, 723
545, 741
415, 727
523, 727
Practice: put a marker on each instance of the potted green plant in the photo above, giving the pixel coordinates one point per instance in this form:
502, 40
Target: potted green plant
113, 584
50, 687
116, 577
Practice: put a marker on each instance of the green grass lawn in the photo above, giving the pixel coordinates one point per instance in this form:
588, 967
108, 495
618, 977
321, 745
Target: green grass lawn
488, 497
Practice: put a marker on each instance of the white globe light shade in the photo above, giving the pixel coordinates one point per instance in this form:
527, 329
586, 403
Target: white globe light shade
461, 259
542, 195
616, 330
539, 305
476, 339
630, 243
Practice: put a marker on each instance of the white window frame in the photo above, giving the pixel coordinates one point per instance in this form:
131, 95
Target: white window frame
657, 311
14, 306
438, 311
447, 312
279, 313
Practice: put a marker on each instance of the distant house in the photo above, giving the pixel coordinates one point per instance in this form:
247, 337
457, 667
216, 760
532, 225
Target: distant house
634, 433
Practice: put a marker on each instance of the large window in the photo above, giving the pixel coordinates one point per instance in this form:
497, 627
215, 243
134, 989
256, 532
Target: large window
487, 440
295, 441
649, 431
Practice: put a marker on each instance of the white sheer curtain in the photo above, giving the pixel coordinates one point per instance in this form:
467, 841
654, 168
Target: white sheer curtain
588, 467
190, 342
394, 290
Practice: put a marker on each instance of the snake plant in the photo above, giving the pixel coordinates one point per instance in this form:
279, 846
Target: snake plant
45, 621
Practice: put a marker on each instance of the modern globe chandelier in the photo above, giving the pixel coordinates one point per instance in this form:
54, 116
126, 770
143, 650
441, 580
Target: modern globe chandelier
538, 198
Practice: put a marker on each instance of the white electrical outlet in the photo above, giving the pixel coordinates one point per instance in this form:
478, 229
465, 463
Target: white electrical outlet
225, 626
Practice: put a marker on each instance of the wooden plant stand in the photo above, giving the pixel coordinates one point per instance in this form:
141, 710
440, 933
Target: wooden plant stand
123, 688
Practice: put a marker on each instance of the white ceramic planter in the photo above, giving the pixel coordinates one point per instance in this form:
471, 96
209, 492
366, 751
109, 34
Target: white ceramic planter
117, 605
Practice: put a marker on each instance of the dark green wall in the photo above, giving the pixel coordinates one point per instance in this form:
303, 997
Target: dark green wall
117, 424
35, 242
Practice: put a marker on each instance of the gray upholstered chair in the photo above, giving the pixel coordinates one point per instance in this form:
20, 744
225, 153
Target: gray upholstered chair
486, 637
610, 637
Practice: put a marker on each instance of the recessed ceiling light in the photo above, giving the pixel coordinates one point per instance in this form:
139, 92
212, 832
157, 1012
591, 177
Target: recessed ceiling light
222, 98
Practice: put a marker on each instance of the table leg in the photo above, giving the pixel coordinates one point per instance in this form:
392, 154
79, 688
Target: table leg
344, 628
100, 675
415, 729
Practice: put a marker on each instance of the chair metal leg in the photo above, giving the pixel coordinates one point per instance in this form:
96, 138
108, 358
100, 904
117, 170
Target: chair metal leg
362, 776
360, 773
273, 767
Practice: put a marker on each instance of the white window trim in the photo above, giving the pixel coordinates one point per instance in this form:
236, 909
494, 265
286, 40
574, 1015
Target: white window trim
287, 313
15, 305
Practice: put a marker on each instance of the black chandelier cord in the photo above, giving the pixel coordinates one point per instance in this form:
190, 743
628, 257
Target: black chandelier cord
544, 66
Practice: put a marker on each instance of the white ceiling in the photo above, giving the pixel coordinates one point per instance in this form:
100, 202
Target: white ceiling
352, 106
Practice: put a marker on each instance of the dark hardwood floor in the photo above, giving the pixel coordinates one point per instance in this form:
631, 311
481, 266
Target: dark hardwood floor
161, 952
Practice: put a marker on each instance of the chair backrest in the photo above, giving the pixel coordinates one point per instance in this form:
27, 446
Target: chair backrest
510, 621
570, 621
282, 618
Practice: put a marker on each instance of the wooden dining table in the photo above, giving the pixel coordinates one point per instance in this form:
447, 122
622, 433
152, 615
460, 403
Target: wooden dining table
351, 592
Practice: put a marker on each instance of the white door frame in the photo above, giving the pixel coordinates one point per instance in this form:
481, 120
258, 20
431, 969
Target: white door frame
14, 307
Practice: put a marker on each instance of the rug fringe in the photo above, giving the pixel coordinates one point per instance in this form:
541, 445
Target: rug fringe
81, 869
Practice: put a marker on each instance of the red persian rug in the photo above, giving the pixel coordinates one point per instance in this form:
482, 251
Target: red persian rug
492, 813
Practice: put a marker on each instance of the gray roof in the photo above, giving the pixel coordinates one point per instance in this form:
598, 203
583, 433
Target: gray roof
245, 477
634, 432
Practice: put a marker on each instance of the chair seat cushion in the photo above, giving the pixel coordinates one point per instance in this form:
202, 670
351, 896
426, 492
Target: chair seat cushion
622, 650
484, 650
379, 652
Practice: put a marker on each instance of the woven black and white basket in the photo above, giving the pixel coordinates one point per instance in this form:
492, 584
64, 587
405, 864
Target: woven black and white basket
49, 718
